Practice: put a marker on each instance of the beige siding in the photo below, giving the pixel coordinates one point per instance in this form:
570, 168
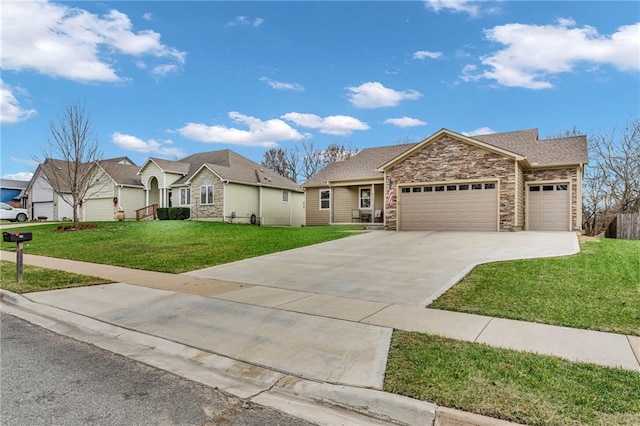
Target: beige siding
62, 209
275, 212
131, 199
169, 178
149, 171
241, 199
345, 199
41, 190
297, 209
315, 216
378, 201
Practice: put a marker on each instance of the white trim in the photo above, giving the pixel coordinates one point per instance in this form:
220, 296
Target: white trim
320, 199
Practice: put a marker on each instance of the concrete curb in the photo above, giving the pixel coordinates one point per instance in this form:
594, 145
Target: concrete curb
320, 403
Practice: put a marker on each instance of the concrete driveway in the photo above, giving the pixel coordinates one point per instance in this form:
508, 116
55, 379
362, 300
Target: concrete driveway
410, 268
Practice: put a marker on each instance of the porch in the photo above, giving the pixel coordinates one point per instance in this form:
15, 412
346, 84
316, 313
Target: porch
357, 204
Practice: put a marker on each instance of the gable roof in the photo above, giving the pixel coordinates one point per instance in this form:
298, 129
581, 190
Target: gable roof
522, 145
168, 166
363, 165
235, 168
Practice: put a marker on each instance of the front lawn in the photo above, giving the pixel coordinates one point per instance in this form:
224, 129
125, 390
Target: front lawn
597, 289
40, 279
171, 246
515, 386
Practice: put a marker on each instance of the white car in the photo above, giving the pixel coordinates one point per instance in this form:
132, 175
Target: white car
11, 213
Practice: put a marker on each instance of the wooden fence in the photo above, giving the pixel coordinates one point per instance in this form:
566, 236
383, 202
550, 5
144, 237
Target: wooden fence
625, 227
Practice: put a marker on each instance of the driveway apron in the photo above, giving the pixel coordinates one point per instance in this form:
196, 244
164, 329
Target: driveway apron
409, 268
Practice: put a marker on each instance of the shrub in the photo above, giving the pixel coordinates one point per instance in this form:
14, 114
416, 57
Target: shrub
174, 213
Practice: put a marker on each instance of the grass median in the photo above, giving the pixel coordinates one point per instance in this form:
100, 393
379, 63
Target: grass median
172, 246
40, 279
597, 289
515, 386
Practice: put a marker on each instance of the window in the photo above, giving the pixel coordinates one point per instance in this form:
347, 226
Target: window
325, 199
428, 189
365, 198
416, 189
451, 187
439, 188
405, 190
285, 196
463, 187
185, 196
547, 187
206, 194
534, 188
561, 187
475, 186
489, 186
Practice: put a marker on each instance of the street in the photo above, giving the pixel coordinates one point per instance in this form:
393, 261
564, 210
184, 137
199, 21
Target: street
48, 379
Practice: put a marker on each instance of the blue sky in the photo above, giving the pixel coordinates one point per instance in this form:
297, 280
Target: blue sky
168, 79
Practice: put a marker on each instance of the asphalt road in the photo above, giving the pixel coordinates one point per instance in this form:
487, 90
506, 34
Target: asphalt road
48, 379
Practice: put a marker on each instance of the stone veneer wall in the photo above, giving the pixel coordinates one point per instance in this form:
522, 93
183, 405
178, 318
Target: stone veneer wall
207, 211
570, 174
449, 159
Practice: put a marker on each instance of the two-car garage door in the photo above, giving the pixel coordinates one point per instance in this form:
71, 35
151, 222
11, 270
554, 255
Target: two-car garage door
449, 207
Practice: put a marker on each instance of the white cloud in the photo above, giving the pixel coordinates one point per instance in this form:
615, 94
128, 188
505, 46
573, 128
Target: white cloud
423, 54
69, 42
479, 131
10, 109
405, 122
243, 20
331, 125
29, 162
523, 63
18, 176
132, 143
147, 16
261, 133
375, 95
457, 6
279, 85
165, 69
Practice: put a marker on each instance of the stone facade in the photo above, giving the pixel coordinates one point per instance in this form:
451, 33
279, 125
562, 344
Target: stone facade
449, 159
201, 211
555, 175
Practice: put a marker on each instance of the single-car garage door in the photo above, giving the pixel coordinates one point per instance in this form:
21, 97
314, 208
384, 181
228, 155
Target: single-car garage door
450, 207
548, 207
99, 209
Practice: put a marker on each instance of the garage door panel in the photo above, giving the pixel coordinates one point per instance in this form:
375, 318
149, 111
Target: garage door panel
449, 210
548, 210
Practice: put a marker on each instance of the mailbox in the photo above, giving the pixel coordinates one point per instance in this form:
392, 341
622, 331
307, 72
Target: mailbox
16, 237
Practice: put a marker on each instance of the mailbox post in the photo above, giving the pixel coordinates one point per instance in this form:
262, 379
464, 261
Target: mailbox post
19, 238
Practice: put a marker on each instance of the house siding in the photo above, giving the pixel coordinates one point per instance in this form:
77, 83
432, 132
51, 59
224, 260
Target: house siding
131, 199
274, 211
212, 212
569, 174
345, 199
298, 211
449, 159
150, 170
244, 200
315, 216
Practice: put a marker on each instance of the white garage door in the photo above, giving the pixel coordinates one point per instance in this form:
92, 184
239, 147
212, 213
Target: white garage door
450, 207
99, 209
548, 207
43, 209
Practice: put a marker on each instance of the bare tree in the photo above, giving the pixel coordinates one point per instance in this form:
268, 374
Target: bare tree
70, 154
338, 152
612, 180
284, 162
312, 160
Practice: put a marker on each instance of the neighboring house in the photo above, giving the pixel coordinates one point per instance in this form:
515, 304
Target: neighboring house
223, 186
10, 189
497, 182
42, 199
117, 189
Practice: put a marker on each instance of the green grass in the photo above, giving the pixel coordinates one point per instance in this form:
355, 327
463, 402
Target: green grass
515, 386
40, 279
597, 289
171, 246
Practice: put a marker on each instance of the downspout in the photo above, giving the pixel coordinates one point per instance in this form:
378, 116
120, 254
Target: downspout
224, 199
260, 206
